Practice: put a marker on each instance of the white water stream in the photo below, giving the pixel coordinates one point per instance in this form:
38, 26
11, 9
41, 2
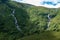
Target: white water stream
16, 22
48, 20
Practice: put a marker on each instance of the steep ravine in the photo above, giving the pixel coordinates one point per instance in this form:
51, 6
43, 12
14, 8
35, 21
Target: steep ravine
15, 20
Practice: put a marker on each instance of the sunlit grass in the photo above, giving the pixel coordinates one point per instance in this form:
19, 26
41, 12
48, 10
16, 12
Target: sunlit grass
43, 36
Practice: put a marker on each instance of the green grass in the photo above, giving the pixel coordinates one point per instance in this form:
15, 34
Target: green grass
31, 19
43, 36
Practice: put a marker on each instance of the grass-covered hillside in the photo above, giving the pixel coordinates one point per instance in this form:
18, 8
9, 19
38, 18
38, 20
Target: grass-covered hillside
43, 36
20, 21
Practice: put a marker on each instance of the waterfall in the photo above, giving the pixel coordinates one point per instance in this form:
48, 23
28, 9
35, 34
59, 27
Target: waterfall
15, 19
48, 20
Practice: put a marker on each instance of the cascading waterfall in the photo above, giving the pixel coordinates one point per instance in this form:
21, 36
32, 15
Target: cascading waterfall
48, 21
15, 19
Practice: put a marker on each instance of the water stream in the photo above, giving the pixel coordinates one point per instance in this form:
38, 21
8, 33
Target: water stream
16, 22
48, 20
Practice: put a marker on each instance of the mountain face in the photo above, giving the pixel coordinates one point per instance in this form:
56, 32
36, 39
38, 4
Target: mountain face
18, 20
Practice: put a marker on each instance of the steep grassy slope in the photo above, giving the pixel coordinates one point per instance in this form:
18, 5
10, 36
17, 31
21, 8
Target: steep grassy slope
39, 16
43, 36
32, 21
8, 30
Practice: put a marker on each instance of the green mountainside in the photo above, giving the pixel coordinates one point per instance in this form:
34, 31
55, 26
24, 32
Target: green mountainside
19, 21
